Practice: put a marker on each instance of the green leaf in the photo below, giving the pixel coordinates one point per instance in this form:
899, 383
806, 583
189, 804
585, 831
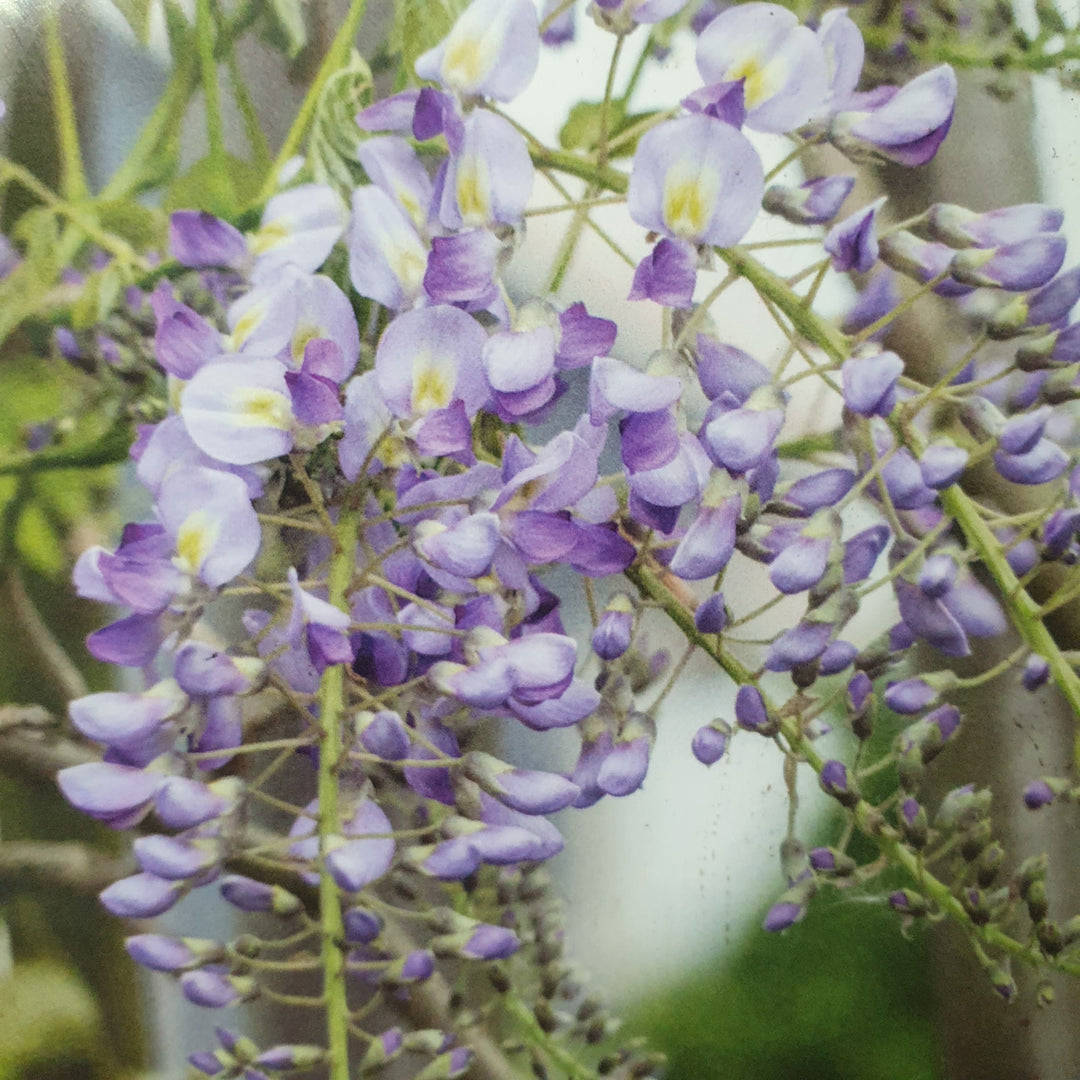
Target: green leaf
206, 187
335, 138
140, 226
582, 128
1050, 19
420, 25
96, 299
23, 291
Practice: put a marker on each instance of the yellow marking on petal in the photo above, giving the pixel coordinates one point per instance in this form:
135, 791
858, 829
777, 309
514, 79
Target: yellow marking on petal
245, 326
256, 406
300, 340
689, 200
760, 80
473, 192
411, 205
269, 236
432, 385
194, 539
466, 61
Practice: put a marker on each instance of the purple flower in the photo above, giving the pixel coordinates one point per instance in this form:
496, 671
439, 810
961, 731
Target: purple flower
611, 638
622, 15
942, 464
160, 953
214, 989
1026, 264
959, 227
870, 383
836, 781
141, 896
490, 175
299, 227
711, 614
815, 202
199, 239
387, 257
802, 643
782, 915
118, 795
1036, 672
852, 243
491, 51
666, 275
711, 741
1040, 793
904, 124
1046, 461
780, 63
696, 179
709, 542
751, 714
527, 791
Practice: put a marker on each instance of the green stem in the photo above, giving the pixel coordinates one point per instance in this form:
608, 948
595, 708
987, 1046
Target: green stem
331, 752
256, 137
866, 817
73, 183
208, 78
336, 57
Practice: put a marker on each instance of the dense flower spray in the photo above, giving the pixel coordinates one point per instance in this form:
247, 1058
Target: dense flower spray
348, 469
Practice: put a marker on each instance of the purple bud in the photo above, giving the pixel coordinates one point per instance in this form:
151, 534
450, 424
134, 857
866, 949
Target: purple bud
416, 967
910, 696
835, 781
1040, 793
802, 643
783, 914
853, 242
711, 741
181, 803
941, 465
1059, 531
862, 551
290, 1058
859, 690
141, 896
161, 953
839, 655
1026, 264
611, 638
200, 239
214, 990
491, 943
1045, 462
250, 895
362, 926
528, 791
1036, 672
711, 614
383, 734
1022, 432
908, 902
751, 714
815, 202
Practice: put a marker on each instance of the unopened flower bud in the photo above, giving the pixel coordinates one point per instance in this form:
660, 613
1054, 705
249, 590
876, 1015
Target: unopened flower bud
837, 782
832, 863
751, 713
382, 1049
711, 614
962, 807
1044, 994
447, 1066
711, 741
908, 902
361, 925
290, 1058
214, 990
913, 823
1036, 672
1049, 937
1040, 793
415, 967
611, 638
250, 895
989, 864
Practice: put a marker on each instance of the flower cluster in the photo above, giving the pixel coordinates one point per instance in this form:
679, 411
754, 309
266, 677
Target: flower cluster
349, 472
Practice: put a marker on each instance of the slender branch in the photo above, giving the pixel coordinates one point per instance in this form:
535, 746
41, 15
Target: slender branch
74, 177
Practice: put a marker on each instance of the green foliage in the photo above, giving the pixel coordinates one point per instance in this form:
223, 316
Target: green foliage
582, 128
283, 26
206, 187
418, 26
335, 137
138, 14
810, 1003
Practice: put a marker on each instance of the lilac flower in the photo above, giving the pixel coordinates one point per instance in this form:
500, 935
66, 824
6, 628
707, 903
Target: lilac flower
696, 179
666, 275
520, 368
711, 741
959, 227
1044, 462
491, 51
199, 239
781, 64
751, 714
387, 257
741, 438
212, 989
801, 644
870, 383
561, 29
711, 614
160, 953
118, 795
1036, 672
852, 243
426, 362
611, 638
1026, 264
709, 543
528, 791
299, 227
317, 627
461, 270
141, 896
622, 15
136, 727
942, 464
841, 41
490, 175
904, 124
815, 202
837, 782
240, 411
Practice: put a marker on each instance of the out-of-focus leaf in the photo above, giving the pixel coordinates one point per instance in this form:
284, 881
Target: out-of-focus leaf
96, 298
140, 226
23, 290
582, 128
204, 187
137, 13
49, 1025
335, 137
420, 25
283, 26
1050, 19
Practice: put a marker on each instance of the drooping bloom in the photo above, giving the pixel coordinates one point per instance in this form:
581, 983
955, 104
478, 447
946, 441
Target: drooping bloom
696, 179
780, 63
